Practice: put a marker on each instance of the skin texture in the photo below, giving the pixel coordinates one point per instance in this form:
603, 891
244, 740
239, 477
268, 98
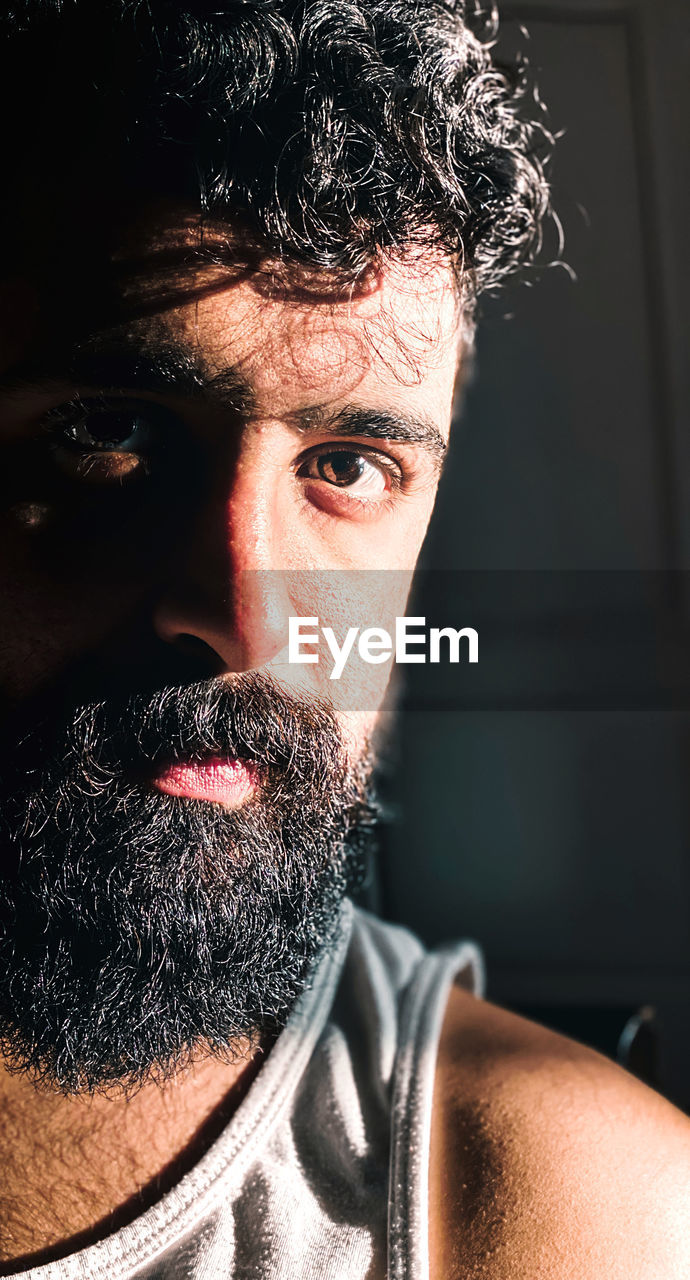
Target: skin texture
76, 1169
549, 1161
534, 1138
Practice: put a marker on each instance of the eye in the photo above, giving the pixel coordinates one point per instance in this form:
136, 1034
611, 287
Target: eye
105, 439
361, 474
109, 429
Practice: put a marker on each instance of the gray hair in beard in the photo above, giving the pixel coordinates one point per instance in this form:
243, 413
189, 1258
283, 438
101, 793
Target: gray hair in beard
137, 927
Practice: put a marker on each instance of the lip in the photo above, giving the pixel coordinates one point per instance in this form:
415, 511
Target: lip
218, 780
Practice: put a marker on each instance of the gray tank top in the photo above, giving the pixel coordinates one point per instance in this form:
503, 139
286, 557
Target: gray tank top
322, 1171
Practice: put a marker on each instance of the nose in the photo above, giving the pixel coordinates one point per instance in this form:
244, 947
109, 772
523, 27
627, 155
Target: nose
224, 598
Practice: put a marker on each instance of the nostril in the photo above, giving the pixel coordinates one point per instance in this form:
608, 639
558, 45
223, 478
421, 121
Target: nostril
200, 654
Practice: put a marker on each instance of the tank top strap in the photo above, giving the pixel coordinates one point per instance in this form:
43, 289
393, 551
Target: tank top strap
422, 1011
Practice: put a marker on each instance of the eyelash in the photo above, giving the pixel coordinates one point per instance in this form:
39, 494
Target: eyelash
58, 421
393, 469
110, 463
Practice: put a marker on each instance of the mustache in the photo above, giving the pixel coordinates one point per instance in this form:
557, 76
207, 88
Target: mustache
250, 717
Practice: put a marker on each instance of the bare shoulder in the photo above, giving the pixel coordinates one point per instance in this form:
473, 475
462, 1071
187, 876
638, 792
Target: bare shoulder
548, 1162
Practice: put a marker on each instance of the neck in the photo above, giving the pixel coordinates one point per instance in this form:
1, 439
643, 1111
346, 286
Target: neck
73, 1169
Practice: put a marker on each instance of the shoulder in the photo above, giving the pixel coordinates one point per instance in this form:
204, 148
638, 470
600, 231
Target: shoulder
549, 1161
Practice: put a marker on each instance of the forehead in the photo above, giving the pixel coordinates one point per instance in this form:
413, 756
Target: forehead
398, 333
391, 341
298, 335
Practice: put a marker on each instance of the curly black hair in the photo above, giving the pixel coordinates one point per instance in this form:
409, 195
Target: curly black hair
336, 131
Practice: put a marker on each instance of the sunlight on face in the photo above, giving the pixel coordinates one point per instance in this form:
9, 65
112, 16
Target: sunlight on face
305, 449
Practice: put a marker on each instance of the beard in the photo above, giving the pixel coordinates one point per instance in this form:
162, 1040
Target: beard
138, 928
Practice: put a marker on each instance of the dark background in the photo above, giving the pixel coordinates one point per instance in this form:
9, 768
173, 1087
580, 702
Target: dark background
547, 814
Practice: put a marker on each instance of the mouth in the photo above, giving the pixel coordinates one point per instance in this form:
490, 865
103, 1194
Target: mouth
228, 782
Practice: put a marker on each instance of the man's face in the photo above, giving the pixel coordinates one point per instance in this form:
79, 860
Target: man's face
194, 476
236, 439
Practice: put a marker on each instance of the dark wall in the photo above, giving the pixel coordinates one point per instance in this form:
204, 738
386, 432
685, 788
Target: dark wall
542, 805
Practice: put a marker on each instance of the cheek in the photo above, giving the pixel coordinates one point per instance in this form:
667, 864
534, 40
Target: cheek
74, 567
359, 730
329, 654
385, 537
54, 608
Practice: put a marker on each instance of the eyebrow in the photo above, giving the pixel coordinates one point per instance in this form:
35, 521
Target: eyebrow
167, 368
171, 368
377, 424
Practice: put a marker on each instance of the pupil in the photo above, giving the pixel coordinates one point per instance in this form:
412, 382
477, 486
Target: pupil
109, 428
341, 468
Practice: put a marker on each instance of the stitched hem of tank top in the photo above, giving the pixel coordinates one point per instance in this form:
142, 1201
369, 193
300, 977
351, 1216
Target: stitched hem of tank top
421, 1020
139, 1242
